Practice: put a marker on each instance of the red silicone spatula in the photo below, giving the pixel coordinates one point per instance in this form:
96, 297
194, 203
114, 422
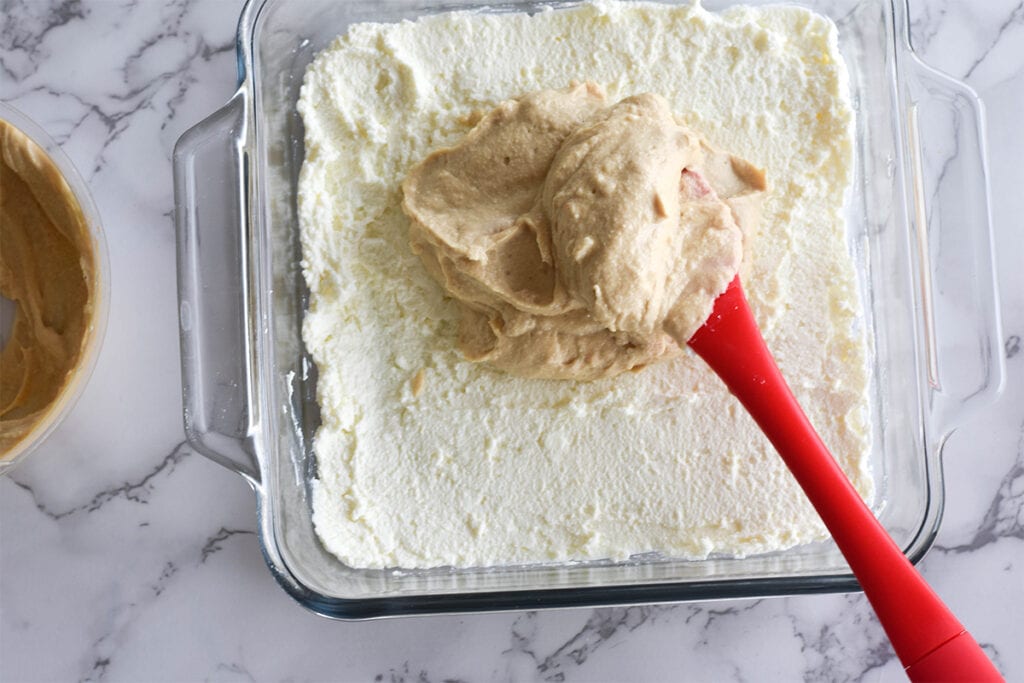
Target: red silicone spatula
928, 639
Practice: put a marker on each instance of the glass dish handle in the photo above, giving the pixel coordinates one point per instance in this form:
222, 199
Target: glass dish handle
210, 199
953, 229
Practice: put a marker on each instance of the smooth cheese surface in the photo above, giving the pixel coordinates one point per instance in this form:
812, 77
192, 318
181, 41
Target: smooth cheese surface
427, 459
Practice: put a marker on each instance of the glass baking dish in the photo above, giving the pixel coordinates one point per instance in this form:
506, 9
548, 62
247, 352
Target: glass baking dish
922, 245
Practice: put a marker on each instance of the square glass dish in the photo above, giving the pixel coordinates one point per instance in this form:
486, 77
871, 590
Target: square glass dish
921, 243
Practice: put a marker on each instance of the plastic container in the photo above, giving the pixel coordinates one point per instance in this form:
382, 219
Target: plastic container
94, 335
922, 246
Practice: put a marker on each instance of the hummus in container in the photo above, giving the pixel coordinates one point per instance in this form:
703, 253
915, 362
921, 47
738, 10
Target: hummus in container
52, 276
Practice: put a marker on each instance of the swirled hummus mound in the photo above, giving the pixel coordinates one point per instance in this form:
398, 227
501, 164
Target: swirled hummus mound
581, 239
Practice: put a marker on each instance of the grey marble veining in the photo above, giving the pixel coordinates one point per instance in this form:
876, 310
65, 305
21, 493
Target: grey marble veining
126, 556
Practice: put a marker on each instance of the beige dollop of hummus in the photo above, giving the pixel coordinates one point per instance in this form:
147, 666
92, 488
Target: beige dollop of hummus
579, 239
47, 267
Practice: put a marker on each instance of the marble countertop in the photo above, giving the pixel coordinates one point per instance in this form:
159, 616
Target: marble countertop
124, 555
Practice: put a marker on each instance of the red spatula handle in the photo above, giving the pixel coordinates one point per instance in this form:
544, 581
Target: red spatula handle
928, 639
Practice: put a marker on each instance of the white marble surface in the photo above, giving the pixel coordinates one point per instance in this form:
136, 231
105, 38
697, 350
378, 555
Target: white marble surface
125, 556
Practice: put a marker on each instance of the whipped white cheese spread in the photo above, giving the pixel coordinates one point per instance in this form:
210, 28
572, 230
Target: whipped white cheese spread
426, 458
